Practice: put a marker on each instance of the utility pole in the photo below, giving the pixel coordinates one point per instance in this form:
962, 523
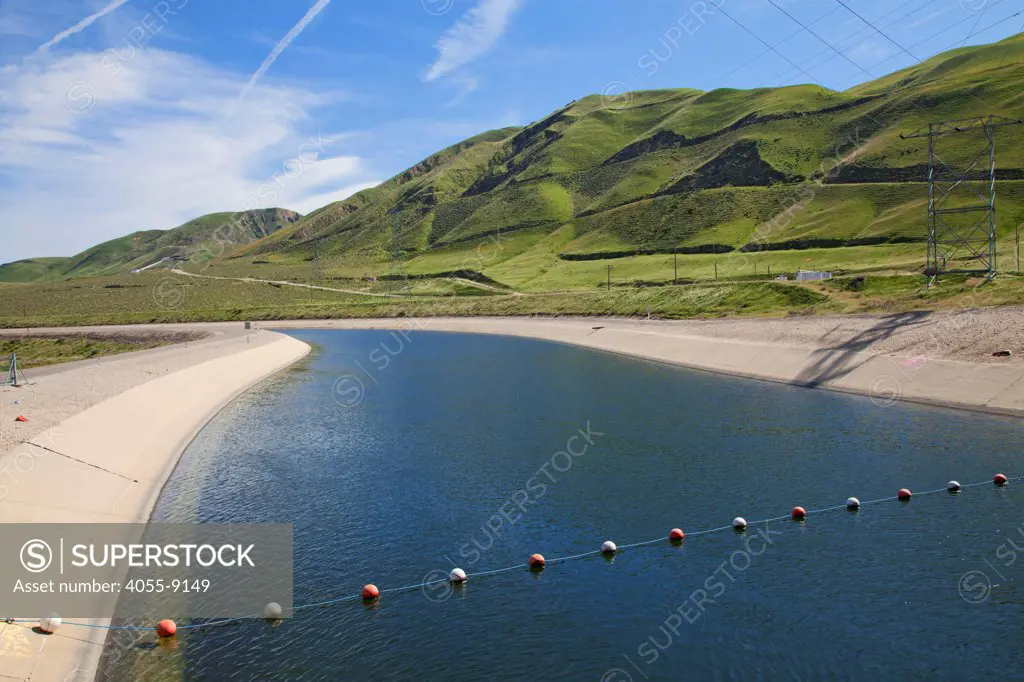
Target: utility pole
609, 278
962, 210
675, 265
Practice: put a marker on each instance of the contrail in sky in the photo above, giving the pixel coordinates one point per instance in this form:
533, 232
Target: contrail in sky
81, 26
283, 45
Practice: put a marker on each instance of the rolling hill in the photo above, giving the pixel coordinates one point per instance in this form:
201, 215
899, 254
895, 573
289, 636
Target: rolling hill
802, 172
698, 172
204, 238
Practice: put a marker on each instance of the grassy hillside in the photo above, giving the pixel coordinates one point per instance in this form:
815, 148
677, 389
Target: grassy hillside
30, 269
596, 208
770, 169
151, 297
208, 237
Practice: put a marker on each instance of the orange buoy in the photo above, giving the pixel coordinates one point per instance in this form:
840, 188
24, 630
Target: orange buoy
536, 561
799, 513
999, 480
21, 418
370, 592
903, 494
166, 628
676, 535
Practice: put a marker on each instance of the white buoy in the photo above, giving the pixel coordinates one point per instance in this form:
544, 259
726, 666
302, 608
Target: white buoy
953, 486
853, 503
272, 611
739, 523
609, 547
457, 575
50, 624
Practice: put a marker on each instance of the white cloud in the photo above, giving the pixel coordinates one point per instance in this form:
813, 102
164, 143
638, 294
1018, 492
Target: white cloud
870, 51
151, 148
467, 86
82, 25
283, 45
472, 36
925, 19
313, 202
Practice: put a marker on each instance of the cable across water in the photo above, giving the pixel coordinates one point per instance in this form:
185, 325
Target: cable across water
482, 574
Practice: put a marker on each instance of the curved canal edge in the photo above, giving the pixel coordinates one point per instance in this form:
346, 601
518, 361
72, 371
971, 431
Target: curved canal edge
845, 364
114, 459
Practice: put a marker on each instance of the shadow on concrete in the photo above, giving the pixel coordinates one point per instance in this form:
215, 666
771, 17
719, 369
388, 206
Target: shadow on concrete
837, 361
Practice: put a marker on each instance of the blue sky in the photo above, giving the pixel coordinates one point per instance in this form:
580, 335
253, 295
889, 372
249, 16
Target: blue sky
125, 115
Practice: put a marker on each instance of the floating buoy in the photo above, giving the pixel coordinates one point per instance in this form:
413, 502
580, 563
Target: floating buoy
739, 523
999, 480
457, 576
272, 611
799, 513
50, 624
536, 561
370, 592
852, 503
20, 418
953, 486
903, 494
166, 628
676, 535
609, 547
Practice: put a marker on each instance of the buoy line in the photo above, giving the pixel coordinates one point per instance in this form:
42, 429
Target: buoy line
536, 562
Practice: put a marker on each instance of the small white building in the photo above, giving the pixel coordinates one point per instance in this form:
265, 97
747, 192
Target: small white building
812, 275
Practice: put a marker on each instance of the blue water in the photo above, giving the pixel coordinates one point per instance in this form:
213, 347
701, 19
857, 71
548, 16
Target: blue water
447, 456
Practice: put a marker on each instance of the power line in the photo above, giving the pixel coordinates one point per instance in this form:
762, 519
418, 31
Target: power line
763, 42
876, 29
903, 49
992, 25
976, 22
957, 23
950, 28
786, 39
911, 100
881, 124
823, 41
854, 35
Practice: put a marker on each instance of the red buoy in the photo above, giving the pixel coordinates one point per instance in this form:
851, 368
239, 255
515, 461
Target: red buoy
999, 480
676, 535
903, 494
370, 592
799, 513
166, 628
536, 561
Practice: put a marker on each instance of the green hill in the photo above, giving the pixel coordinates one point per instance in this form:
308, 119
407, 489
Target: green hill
652, 172
811, 176
30, 269
208, 237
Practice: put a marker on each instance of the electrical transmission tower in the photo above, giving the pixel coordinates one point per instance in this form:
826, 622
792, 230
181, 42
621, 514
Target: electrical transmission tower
962, 197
